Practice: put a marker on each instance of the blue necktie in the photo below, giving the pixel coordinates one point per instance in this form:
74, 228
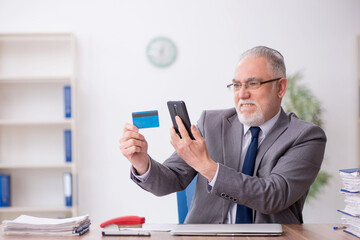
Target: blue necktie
243, 213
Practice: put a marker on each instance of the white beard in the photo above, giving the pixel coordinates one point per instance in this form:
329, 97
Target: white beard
255, 119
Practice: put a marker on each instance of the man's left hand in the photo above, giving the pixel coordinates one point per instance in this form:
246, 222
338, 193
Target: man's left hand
194, 152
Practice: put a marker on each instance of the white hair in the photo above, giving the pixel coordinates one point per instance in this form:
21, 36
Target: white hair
275, 59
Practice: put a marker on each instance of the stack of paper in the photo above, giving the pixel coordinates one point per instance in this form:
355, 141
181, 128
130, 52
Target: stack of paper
28, 225
351, 190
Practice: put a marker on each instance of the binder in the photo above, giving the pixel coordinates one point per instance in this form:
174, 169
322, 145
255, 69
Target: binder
4, 190
67, 138
68, 189
67, 100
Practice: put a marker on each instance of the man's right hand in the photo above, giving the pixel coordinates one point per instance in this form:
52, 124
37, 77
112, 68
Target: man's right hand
134, 147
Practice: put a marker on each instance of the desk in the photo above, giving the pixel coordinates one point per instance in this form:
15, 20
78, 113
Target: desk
291, 232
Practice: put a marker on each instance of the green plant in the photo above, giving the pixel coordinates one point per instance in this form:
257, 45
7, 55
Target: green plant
300, 100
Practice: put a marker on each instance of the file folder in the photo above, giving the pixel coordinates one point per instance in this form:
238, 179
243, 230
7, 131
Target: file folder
68, 189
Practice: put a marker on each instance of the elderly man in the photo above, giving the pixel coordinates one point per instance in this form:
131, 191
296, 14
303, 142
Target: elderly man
255, 162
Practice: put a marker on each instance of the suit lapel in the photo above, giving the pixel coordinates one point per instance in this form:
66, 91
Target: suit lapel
232, 141
232, 131
280, 126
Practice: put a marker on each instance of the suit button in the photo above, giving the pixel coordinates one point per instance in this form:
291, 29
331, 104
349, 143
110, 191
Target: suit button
231, 198
227, 196
235, 200
223, 194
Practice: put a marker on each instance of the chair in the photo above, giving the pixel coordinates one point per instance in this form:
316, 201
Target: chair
184, 199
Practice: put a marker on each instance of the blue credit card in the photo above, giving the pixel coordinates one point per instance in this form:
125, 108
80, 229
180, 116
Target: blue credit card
146, 119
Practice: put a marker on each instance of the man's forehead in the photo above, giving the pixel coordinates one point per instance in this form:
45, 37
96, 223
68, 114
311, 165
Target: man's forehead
247, 79
253, 64
249, 70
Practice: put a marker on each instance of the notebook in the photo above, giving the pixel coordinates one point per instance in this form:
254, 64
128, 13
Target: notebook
271, 229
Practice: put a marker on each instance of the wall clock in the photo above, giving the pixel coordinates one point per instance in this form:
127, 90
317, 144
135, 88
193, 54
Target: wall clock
161, 52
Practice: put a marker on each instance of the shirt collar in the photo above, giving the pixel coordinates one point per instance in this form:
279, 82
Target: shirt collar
266, 126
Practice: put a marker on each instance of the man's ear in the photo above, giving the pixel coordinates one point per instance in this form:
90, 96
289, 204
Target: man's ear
281, 87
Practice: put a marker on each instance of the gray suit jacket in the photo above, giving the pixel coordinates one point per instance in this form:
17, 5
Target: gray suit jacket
287, 162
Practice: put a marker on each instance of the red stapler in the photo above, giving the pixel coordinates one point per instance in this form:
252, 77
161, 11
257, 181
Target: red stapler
128, 221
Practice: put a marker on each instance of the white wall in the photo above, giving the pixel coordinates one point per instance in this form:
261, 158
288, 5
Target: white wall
115, 78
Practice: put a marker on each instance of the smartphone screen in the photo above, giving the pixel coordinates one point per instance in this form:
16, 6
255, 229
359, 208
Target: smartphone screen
178, 108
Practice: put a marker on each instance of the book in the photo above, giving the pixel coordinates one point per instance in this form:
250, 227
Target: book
352, 223
67, 138
29, 225
67, 101
350, 179
4, 190
68, 189
352, 203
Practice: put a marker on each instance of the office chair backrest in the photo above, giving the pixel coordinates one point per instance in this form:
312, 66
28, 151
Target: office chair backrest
184, 199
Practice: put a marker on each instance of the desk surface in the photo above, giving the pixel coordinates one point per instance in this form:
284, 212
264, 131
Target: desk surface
291, 231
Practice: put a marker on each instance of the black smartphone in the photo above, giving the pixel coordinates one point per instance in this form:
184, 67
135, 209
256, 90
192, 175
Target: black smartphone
178, 108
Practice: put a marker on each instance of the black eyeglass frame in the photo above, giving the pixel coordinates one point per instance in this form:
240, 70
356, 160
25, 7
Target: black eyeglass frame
247, 83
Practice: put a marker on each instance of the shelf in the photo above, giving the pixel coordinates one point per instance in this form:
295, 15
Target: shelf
9, 166
28, 55
36, 79
37, 209
36, 35
22, 122
32, 102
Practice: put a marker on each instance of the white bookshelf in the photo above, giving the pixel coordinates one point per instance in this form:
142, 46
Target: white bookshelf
34, 68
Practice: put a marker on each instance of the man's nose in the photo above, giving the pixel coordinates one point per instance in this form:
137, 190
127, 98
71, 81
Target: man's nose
243, 93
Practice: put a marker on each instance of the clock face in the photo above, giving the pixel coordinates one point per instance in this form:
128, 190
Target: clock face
161, 52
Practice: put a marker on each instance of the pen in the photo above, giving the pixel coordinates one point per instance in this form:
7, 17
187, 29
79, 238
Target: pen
339, 227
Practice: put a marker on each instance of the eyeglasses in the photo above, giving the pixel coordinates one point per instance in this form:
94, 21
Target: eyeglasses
252, 84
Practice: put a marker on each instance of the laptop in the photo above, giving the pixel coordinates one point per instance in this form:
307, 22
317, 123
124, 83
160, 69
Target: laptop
258, 229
